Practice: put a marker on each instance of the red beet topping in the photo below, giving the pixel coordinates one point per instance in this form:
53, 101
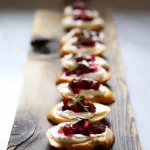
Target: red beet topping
77, 34
78, 104
60, 131
86, 84
83, 17
80, 69
84, 42
79, 5
88, 58
84, 127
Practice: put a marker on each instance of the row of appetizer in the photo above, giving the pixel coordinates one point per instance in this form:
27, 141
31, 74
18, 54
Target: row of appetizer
81, 84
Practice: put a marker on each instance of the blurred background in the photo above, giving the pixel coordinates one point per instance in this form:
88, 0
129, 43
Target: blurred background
132, 24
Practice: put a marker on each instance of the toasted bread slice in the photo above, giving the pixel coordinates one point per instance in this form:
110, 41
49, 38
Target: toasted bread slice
68, 61
95, 24
68, 48
62, 78
101, 112
103, 95
105, 141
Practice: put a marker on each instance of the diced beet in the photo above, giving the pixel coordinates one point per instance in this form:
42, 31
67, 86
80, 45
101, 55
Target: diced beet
84, 42
78, 128
67, 129
74, 87
83, 127
66, 100
75, 108
95, 85
60, 131
73, 84
88, 58
83, 17
64, 108
86, 103
86, 125
77, 35
81, 69
91, 108
97, 128
88, 42
67, 73
93, 68
83, 83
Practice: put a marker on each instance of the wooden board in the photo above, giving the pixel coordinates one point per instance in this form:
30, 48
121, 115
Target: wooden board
39, 94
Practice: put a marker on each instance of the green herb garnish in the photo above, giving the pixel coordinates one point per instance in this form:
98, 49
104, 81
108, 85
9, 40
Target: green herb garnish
81, 118
74, 67
78, 99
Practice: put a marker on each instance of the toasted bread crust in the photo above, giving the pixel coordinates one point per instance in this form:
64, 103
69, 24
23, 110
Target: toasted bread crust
105, 66
59, 79
97, 52
62, 42
89, 145
52, 115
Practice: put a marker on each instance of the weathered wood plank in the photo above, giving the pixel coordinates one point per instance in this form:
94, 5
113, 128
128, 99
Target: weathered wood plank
39, 94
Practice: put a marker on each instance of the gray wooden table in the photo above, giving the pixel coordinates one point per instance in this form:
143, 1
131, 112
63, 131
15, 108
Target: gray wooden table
134, 42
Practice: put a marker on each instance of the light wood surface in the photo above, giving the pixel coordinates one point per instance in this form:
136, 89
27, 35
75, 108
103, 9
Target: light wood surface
39, 94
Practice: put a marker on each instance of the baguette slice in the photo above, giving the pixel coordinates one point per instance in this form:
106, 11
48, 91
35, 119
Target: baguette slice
105, 96
71, 33
69, 48
105, 141
55, 117
95, 24
68, 61
64, 78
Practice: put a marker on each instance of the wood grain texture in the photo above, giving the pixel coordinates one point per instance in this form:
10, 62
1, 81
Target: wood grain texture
39, 94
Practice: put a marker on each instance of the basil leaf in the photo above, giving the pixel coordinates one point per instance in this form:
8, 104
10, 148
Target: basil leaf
85, 108
81, 118
74, 67
78, 100
71, 103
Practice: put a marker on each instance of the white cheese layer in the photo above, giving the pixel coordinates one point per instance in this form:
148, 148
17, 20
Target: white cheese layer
75, 138
101, 110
